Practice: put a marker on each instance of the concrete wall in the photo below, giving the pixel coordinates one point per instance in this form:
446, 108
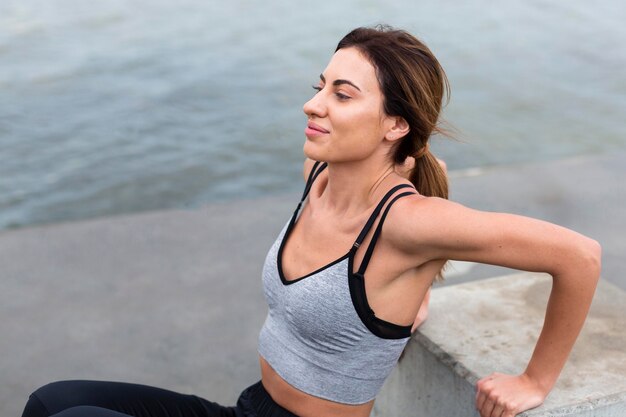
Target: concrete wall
492, 325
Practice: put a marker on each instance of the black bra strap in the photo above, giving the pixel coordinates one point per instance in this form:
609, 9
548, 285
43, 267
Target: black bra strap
375, 214
317, 169
312, 176
379, 228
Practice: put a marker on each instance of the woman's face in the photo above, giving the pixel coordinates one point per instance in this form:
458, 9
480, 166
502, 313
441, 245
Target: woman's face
346, 121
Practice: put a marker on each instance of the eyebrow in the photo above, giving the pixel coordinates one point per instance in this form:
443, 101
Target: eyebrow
340, 82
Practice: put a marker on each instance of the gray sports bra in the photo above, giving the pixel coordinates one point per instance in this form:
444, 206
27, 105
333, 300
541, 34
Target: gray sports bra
320, 334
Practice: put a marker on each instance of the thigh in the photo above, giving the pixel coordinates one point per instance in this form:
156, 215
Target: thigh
89, 411
132, 399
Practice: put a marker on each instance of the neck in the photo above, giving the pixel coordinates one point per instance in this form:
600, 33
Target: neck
353, 187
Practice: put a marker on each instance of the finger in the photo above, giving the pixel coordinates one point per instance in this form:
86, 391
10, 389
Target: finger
487, 408
480, 400
497, 411
481, 389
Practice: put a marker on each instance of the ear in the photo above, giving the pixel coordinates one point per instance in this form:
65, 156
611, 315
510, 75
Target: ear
398, 129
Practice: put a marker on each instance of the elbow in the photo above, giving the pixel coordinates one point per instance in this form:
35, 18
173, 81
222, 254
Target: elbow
580, 269
593, 258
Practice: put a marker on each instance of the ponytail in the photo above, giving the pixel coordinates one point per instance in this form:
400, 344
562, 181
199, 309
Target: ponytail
428, 176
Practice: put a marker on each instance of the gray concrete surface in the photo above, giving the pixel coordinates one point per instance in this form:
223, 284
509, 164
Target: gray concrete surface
493, 324
174, 298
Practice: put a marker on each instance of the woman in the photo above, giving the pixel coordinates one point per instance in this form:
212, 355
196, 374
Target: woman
323, 350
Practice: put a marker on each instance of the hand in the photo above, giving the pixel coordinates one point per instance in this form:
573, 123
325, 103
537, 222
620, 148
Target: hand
404, 169
500, 395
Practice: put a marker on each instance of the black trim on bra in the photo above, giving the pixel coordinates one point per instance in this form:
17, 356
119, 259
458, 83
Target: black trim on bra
375, 213
381, 328
377, 232
293, 281
356, 282
315, 172
312, 176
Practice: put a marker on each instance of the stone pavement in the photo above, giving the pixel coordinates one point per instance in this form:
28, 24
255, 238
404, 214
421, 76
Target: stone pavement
174, 298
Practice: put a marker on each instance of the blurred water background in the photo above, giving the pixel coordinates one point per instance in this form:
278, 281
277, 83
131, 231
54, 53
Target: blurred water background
129, 105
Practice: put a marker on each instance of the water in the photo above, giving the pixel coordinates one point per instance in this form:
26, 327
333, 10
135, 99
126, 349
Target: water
123, 106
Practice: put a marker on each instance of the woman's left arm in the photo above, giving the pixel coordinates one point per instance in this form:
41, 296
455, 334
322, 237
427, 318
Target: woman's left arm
452, 231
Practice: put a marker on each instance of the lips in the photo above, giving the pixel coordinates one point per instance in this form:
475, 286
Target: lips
317, 128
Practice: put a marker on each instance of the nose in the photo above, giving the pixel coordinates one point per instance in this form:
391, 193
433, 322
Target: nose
315, 106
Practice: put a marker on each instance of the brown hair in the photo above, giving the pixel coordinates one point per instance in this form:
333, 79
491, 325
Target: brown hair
413, 84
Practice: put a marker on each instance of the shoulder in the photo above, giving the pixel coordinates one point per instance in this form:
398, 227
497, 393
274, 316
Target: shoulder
435, 228
418, 223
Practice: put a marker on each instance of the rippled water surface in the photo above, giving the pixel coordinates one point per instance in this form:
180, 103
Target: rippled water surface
121, 106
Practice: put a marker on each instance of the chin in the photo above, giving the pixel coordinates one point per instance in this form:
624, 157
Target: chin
310, 151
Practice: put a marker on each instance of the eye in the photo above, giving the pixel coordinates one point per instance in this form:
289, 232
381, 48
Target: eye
340, 96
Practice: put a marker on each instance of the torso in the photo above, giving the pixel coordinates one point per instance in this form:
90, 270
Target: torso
303, 404
394, 286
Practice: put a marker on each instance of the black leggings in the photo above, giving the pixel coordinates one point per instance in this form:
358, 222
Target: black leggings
119, 399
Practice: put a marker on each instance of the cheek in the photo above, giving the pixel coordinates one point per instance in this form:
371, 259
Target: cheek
357, 123
355, 135
359, 143
364, 131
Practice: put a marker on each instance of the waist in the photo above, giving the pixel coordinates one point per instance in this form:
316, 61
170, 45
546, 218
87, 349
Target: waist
303, 404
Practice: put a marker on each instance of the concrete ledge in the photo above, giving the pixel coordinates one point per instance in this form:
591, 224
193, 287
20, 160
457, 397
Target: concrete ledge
492, 325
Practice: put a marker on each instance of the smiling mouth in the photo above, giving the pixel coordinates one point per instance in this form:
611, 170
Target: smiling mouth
317, 128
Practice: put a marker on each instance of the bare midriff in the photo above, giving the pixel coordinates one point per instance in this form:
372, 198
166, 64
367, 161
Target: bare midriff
303, 404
